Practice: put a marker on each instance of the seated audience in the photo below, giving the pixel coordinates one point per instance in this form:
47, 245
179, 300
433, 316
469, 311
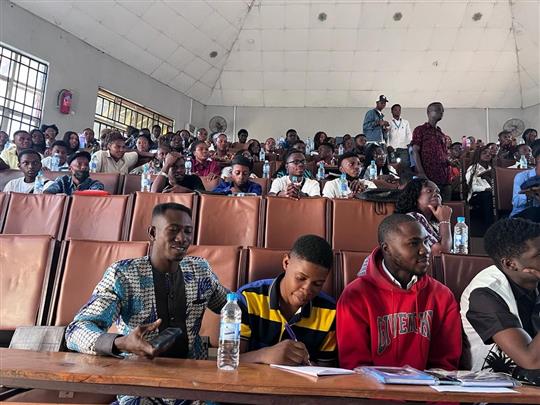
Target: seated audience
294, 184
146, 295
156, 133
394, 314
319, 138
59, 148
507, 146
22, 140
454, 159
38, 141
421, 199
326, 154
142, 144
242, 139
71, 139
387, 176
300, 146
4, 139
526, 151
499, 308
221, 153
360, 141
103, 135
239, 181
50, 132
30, 165
494, 149
348, 144
527, 205
480, 194
254, 148
155, 164
291, 137
529, 136
92, 145
270, 147
79, 180
292, 300
202, 164
173, 177
177, 142
348, 163
116, 160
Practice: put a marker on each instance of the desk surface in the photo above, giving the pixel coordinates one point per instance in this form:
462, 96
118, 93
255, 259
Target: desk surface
195, 379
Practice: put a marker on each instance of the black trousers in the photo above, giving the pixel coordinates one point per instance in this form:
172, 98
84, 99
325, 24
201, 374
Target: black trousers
532, 214
481, 205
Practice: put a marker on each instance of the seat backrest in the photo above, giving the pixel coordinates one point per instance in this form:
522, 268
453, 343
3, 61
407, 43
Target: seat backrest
36, 214
355, 223
4, 199
76, 279
264, 183
25, 263
288, 219
225, 262
459, 209
227, 220
459, 270
504, 184
97, 217
111, 181
258, 168
7, 175
351, 263
268, 263
132, 183
144, 204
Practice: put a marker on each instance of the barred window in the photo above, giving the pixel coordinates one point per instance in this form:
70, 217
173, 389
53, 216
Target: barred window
22, 90
113, 111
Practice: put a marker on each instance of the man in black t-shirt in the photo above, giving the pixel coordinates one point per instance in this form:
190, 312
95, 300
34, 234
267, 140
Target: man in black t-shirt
173, 178
500, 309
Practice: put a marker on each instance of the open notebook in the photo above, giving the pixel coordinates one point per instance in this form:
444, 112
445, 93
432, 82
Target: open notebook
314, 371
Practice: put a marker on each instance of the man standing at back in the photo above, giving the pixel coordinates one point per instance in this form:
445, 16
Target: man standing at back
430, 152
400, 133
375, 127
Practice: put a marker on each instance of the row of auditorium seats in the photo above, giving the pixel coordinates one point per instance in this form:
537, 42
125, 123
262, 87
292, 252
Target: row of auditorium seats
269, 222
48, 286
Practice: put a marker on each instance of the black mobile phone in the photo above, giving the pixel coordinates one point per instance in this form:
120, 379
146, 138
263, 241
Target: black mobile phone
443, 379
165, 339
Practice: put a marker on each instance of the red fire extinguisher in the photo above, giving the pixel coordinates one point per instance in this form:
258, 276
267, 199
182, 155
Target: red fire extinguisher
64, 101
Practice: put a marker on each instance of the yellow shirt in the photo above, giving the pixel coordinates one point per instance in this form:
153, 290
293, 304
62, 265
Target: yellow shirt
10, 157
106, 163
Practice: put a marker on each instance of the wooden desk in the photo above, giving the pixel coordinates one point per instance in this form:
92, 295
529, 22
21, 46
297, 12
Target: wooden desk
192, 379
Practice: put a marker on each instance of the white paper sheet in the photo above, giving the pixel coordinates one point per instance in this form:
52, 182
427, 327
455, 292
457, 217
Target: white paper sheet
486, 390
314, 371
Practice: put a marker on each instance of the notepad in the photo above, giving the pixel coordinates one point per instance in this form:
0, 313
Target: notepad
313, 371
486, 390
397, 375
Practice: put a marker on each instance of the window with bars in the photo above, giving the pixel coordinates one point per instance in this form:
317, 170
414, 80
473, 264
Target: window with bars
22, 90
113, 111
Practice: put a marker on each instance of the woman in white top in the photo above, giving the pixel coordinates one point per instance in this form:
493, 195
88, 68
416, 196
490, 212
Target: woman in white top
348, 163
480, 195
295, 185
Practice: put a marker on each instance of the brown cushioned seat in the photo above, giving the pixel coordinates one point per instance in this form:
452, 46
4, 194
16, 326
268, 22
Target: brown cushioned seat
84, 263
131, 183
225, 262
351, 263
459, 270
36, 214
228, 220
504, 185
288, 219
144, 204
97, 217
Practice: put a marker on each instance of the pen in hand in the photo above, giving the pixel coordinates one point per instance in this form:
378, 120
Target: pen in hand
293, 337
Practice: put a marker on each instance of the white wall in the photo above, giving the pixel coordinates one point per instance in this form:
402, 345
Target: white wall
75, 65
263, 122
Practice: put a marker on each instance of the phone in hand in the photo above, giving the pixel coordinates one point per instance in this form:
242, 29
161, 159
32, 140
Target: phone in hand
165, 339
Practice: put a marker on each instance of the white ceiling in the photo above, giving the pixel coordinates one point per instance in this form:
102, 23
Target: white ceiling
278, 53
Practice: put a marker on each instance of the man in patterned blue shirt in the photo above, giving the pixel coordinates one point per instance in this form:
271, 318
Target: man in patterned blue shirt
148, 294
79, 166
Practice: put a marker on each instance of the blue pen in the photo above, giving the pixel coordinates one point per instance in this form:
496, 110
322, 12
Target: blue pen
293, 337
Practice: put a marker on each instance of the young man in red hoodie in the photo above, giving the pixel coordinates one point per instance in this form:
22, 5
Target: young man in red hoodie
394, 314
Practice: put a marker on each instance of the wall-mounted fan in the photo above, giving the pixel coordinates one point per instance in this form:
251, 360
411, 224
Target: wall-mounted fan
515, 126
217, 124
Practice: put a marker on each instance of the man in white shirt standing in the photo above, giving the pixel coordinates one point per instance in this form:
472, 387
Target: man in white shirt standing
400, 133
30, 165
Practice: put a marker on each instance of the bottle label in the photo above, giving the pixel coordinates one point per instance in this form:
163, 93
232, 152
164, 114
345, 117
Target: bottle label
229, 331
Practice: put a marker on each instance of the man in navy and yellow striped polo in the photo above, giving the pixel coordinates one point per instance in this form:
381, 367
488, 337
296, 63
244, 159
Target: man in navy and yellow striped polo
289, 320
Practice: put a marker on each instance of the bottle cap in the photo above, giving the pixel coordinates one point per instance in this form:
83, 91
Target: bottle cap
231, 297
461, 219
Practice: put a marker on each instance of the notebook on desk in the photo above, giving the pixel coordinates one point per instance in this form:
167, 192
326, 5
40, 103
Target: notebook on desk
313, 371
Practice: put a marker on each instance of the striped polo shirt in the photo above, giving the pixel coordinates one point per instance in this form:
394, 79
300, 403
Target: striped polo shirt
263, 324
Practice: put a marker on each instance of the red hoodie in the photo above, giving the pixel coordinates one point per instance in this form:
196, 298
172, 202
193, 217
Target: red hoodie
381, 324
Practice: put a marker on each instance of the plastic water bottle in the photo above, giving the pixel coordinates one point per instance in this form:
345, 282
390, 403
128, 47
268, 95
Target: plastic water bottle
341, 149
266, 170
321, 173
308, 147
93, 164
188, 166
281, 143
228, 355
39, 183
262, 155
55, 162
461, 237
372, 170
145, 179
344, 189
523, 164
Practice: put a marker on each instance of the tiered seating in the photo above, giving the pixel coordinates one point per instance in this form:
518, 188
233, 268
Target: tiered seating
503, 184
459, 270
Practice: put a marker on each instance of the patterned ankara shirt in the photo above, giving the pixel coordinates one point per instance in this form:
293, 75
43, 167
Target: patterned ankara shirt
126, 295
433, 153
